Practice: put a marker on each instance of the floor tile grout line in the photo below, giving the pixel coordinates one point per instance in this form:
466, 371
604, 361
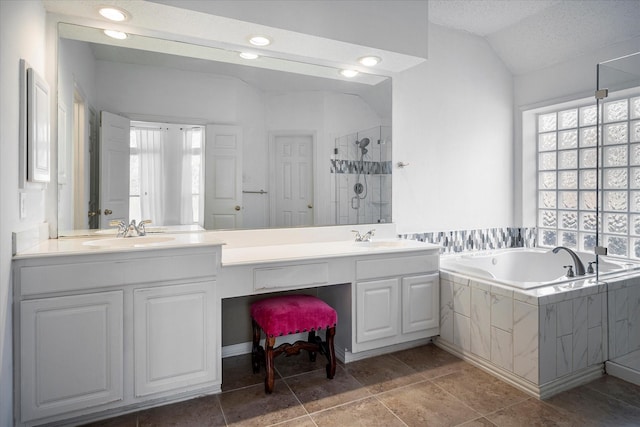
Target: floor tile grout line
389, 409
224, 417
457, 398
299, 402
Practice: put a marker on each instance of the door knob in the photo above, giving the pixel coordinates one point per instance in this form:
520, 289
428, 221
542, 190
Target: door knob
237, 208
108, 211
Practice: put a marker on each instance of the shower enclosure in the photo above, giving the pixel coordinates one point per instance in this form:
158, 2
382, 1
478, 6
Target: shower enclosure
361, 174
618, 205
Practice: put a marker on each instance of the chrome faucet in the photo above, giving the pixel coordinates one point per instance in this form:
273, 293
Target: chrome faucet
576, 260
366, 237
125, 230
122, 227
138, 229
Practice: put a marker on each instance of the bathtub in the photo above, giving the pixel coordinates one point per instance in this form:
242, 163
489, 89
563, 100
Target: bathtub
529, 268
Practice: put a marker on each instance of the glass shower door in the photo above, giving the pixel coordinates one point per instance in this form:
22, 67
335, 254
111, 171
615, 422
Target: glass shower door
618, 207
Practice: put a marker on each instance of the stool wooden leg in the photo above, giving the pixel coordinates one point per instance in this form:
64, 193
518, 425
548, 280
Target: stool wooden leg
270, 377
255, 350
331, 354
312, 340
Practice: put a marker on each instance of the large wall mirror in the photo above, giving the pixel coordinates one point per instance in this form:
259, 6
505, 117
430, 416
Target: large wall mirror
192, 136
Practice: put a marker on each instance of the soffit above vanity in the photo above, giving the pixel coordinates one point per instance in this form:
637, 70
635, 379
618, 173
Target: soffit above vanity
189, 26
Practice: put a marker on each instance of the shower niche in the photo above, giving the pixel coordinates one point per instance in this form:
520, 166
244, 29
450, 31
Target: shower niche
361, 177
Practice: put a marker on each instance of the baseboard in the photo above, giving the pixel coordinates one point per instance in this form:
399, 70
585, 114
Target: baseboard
348, 357
543, 391
619, 371
341, 354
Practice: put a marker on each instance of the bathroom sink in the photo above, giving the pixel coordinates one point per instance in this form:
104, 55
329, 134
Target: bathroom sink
129, 242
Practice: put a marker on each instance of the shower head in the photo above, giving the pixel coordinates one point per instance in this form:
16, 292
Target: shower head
363, 143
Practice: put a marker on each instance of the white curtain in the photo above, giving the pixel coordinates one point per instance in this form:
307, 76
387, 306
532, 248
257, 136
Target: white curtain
152, 192
186, 187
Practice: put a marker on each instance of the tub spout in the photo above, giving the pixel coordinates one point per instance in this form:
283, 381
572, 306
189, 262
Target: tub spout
576, 260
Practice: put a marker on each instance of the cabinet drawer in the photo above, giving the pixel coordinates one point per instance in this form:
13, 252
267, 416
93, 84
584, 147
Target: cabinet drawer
398, 266
288, 276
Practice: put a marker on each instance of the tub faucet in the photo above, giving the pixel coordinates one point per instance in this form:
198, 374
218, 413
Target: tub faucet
576, 260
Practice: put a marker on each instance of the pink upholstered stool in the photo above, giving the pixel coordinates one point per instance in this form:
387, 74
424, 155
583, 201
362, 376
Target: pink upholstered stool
290, 314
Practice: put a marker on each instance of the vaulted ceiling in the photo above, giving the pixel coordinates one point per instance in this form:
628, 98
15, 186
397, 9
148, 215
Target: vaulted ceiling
533, 34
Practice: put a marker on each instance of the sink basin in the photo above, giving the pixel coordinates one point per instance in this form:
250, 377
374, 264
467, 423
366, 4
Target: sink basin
129, 242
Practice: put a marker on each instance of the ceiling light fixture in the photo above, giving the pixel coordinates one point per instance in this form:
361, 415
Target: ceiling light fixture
260, 40
248, 55
113, 13
369, 61
349, 73
119, 35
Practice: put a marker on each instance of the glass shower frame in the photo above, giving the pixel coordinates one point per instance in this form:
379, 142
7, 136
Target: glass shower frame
617, 80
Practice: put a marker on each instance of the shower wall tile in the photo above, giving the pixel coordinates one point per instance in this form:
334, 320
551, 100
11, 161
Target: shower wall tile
594, 310
634, 317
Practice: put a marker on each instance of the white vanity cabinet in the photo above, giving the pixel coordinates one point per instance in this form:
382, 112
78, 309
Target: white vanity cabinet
396, 300
96, 333
71, 353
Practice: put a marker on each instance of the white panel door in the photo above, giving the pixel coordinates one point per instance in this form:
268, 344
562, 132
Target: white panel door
223, 177
71, 353
292, 197
420, 303
174, 337
114, 167
377, 309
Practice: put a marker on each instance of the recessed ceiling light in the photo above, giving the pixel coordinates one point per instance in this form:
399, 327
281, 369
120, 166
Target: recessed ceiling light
369, 61
113, 13
260, 40
116, 34
349, 73
248, 55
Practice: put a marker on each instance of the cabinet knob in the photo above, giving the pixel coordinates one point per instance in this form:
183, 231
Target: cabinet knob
108, 211
310, 206
237, 207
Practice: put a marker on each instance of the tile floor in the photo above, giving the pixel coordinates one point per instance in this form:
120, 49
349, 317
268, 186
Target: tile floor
424, 386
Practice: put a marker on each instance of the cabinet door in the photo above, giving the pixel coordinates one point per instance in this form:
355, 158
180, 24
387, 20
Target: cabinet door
174, 337
71, 353
377, 309
420, 303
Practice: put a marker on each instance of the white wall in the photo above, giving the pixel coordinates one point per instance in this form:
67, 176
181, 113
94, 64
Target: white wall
22, 35
453, 123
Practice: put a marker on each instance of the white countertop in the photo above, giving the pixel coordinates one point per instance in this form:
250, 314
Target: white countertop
84, 246
317, 250
230, 256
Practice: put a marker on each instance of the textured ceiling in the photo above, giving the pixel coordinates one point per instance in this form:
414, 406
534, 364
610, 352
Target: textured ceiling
531, 34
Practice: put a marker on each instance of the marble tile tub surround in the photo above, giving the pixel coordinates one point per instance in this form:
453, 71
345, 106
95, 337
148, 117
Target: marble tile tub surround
478, 239
543, 340
624, 316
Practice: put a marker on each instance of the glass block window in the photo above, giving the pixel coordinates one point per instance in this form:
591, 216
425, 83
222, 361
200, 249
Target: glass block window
567, 172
